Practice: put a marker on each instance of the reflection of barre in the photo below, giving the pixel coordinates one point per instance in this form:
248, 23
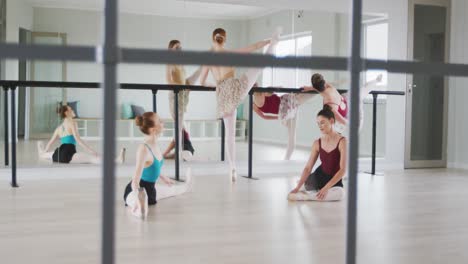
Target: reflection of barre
12, 85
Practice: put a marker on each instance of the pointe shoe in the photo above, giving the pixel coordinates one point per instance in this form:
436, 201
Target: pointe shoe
233, 175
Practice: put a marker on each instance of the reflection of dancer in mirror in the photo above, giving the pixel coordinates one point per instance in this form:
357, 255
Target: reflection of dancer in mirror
143, 190
175, 74
68, 134
284, 108
231, 90
325, 183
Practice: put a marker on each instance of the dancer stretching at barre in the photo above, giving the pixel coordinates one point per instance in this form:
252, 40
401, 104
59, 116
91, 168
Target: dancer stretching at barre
331, 97
338, 102
271, 106
175, 74
325, 183
68, 134
231, 90
142, 189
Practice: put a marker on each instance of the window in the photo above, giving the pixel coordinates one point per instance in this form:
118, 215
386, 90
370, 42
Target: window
376, 47
295, 45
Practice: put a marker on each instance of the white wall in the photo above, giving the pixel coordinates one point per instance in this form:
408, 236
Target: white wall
142, 31
18, 14
458, 91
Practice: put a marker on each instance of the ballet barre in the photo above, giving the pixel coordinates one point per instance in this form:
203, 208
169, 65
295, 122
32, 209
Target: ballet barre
13, 85
375, 94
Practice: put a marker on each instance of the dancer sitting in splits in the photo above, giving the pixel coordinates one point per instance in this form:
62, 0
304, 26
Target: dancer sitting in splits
271, 106
142, 189
175, 74
231, 90
68, 134
325, 183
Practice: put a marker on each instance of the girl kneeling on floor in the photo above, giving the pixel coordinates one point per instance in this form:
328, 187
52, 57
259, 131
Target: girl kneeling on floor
325, 183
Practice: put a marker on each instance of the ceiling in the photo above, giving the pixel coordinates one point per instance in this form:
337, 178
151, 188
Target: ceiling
175, 8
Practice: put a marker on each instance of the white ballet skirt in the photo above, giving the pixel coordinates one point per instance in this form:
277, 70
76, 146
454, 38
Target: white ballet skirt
289, 105
183, 102
230, 93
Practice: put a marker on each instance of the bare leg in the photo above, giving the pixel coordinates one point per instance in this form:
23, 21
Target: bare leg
291, 125
164, 191
84, 158
230, 125
168, 150
194, 77
252, 74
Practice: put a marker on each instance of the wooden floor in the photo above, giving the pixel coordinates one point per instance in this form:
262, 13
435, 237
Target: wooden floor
412, 216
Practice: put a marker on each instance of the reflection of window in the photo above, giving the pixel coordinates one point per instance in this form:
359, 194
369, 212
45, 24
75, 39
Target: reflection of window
297, 45
376, 47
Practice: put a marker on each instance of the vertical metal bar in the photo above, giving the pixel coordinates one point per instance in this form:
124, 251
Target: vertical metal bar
13, 138
110, 60
176, 133
374, 130
7, 151
250, 133
355, 67
223, 139
155, 108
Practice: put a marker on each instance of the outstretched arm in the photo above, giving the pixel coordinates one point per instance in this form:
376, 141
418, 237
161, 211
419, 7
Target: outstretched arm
204, 76
308, 88
339, 175
262, 115
192, 79
76, 134
54, 137
308, 168
166, 180
140, 163
253, 47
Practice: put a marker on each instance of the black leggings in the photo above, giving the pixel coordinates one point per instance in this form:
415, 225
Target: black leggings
318, 179
149, 188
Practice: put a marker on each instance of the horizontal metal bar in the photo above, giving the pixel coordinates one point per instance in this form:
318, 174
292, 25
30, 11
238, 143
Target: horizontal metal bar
47, 52
230, 59
285, 90
387, 92
96, 85
142, 86
433, 68
128, 55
